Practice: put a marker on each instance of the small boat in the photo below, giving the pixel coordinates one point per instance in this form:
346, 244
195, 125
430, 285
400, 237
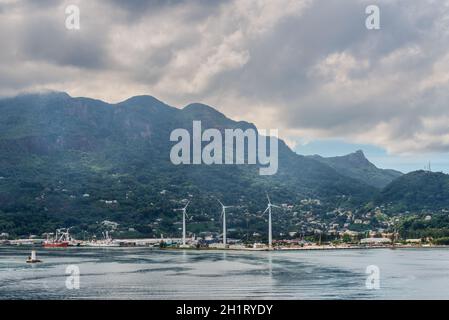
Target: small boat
32, 258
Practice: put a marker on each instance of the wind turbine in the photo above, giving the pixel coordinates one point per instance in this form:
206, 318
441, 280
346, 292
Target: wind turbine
270, 232
223, 215
184, 214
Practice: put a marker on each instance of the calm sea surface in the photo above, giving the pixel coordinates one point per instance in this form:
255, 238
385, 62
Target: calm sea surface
140, 273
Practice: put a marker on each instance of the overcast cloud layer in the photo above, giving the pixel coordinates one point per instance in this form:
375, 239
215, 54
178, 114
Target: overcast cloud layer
307, 67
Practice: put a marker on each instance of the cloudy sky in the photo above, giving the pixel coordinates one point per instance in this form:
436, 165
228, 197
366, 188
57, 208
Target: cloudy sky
308, 67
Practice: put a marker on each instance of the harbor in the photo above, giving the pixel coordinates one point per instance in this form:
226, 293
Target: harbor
174, 244
62, 238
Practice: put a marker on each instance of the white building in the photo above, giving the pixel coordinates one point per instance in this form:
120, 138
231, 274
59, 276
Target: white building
375, 241
413, 241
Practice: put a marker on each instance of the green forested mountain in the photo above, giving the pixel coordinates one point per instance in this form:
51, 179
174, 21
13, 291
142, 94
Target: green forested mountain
75, 161
355, 165
415, 191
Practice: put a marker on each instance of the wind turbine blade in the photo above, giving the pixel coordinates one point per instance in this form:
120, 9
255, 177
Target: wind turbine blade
188, 202
269, 201
265, 210
273, 205
220, 202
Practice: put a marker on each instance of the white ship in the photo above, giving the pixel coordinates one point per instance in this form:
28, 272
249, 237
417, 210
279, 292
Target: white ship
105, 242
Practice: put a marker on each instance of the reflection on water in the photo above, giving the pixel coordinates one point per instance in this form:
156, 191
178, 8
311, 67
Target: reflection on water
140, 273
270, 264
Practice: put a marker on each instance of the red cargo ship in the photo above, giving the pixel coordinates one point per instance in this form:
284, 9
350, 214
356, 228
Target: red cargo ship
61, 239
55, 244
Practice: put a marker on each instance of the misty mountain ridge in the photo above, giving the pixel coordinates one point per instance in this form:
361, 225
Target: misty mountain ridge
347, 165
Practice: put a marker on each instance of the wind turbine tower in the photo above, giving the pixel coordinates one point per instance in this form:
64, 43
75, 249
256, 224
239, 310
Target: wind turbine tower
270, 230
223, 215
184, 214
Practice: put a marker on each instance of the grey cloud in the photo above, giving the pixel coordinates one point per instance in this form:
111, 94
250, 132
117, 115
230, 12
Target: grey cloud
40, 35
50, 41
141, 9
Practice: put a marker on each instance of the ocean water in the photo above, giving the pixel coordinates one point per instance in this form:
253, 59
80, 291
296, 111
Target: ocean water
141, 273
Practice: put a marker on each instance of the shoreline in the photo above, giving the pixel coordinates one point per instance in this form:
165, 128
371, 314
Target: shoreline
285, 249
311, 248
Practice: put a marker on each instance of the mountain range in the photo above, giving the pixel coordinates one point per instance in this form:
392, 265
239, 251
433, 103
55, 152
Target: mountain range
78, 161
